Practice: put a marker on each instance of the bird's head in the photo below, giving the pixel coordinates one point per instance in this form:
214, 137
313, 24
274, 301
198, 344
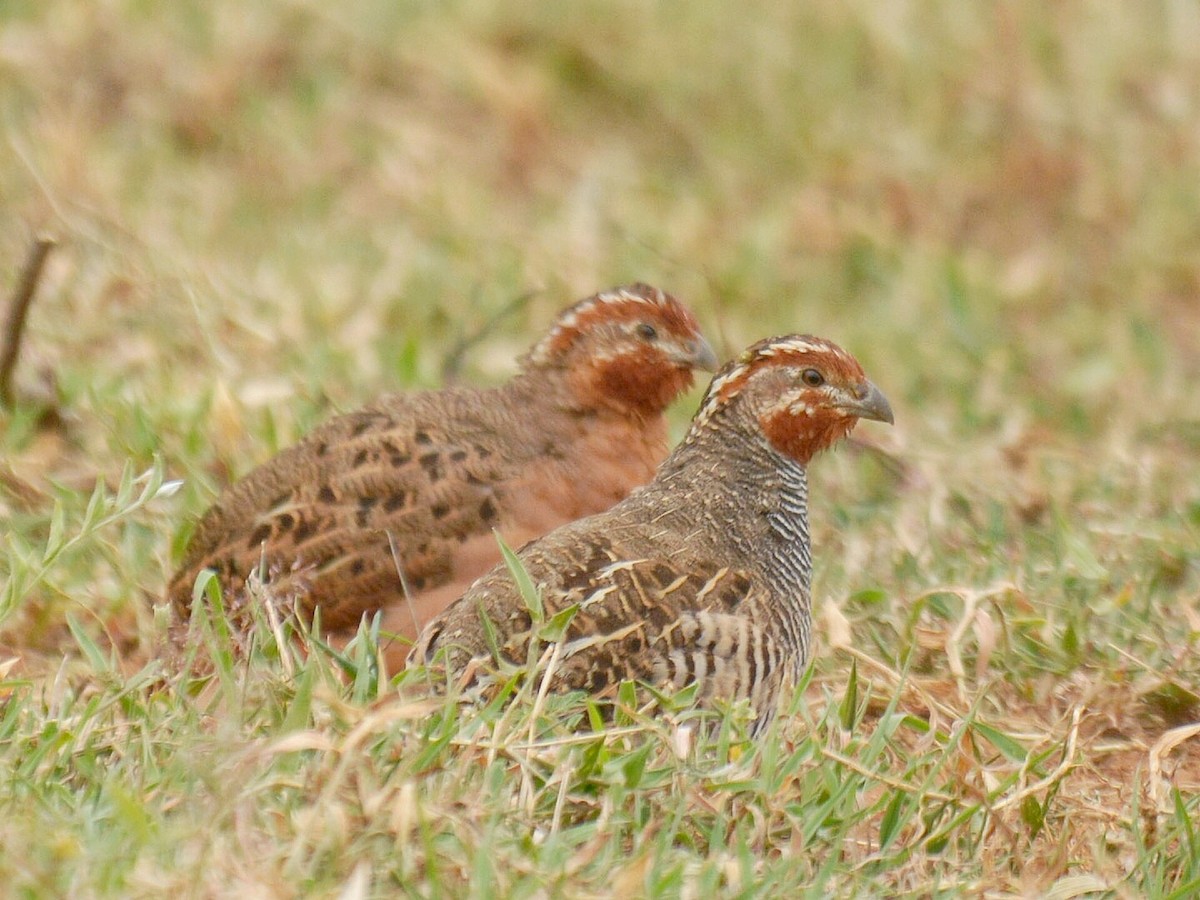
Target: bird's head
633, 348
807, 393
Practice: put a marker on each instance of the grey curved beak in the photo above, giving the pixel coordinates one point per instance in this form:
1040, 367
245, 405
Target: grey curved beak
700, 355
869, 403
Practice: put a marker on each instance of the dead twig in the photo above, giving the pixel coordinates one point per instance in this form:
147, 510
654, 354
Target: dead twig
1064, 766
454, 359
18, 309
1159, 785
898, 468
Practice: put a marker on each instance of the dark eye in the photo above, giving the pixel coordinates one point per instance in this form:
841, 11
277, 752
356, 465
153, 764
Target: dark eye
812, 377
646, 331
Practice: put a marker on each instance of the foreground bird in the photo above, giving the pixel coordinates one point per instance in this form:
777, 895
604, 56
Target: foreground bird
703, 574
417, 482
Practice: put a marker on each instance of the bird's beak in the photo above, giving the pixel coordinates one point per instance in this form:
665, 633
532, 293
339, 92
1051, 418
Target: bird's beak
869, 403
698, 354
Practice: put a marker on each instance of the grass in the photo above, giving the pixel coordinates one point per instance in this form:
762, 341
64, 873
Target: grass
269, 213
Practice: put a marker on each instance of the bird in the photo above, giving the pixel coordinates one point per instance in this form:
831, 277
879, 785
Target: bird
702, 576
392, 507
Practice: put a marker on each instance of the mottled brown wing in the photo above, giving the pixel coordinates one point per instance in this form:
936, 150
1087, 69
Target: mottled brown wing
320, 514
669, 621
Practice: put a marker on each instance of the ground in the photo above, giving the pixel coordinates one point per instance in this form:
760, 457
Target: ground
266, 213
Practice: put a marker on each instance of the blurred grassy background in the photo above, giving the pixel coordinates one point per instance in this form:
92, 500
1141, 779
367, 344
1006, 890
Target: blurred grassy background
268, 212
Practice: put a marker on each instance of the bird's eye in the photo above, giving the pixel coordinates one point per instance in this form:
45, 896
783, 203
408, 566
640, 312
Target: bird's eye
646, 331
812, 377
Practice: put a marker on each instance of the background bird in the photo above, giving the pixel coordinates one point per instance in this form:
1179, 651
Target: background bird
416, 482
702, 575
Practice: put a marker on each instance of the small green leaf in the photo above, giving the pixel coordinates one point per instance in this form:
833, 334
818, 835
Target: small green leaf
556, 627
869, 597
848, 711
55, 542
490, 637
626, 703
432, 752
212, 616
500, 701
93, 653
94, 508
300, 708
529, 591
1083, 558
125, 488
1033, 815
1002, 742
889, 824
681, 699
633, 766
1070, 642
366, 675
1185, 891
595, 754
208, 588
1185, 822
595, 716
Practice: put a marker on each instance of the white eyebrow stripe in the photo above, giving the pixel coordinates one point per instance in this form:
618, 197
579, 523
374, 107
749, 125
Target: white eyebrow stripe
792, 344
653, 297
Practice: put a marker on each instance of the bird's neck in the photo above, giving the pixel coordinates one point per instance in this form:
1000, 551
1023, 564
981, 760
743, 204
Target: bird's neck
548, 387
754, 505
752, 494
537, 389
614, 439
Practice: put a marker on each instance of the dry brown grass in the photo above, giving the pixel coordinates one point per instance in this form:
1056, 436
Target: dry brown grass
269, 212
